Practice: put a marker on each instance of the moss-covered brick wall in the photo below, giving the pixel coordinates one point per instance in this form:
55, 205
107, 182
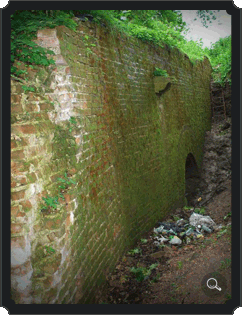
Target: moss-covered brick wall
117, 137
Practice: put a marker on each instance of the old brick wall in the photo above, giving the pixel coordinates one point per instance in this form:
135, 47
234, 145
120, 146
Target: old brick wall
96, 117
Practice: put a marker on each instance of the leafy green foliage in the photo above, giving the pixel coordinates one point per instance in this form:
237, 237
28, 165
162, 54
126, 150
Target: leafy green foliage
28, 88
24, 26
135, 251
49, 249
187, 208
50, 202
207, 16
73, 122
65, 182
193, 49
141, 273
200, 211
160, 72
158, 27
180, 264
220, 58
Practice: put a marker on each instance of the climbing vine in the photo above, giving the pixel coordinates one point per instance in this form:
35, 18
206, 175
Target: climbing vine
24, 27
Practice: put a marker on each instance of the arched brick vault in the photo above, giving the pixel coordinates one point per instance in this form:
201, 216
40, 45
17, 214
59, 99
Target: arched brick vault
188, 159
192, 176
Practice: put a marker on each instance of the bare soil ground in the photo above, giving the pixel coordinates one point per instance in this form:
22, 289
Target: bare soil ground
173, 274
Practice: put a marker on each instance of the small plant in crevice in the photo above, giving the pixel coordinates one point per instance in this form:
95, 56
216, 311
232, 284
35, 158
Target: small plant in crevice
49, 249
51, 203
142, 273
180, 264
200, 211
24, 26
160, 73
135, 251
65, 182
28, 88
73, 122
187, 208
88, 45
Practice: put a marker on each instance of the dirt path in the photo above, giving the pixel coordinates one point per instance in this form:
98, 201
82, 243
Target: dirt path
175, 274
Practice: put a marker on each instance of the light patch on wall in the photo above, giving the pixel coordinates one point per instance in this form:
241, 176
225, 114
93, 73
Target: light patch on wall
72, 217
32, 168
39, 188
24, 281
64, 254
76, 204
51, 116
20, 255
63, 114
56, 278
30, 191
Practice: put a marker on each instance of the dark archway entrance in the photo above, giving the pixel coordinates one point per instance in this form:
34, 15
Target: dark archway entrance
192, 178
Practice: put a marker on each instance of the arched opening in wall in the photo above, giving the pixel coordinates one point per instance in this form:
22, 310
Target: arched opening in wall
192, 178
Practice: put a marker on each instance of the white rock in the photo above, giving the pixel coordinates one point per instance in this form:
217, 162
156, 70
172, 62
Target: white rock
175, 241
198, 219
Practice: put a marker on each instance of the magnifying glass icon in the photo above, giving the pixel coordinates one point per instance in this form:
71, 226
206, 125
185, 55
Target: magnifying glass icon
213, 286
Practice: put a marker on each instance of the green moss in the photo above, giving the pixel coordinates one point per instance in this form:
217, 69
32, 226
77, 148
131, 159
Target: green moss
160, 72
64, 144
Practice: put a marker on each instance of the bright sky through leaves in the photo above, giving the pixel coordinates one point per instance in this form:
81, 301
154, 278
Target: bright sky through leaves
221, 27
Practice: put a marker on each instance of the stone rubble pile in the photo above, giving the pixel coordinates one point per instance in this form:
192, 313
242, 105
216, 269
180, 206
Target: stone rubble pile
183, 231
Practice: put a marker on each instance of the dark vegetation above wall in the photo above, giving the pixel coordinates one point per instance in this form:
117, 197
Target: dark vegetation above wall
158, 27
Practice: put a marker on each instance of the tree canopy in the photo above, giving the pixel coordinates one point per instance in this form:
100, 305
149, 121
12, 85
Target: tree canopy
158, 27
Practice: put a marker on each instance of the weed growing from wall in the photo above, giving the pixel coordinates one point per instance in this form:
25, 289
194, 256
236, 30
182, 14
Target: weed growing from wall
64, 149
86, 40
51, 203
24, 26
160, 73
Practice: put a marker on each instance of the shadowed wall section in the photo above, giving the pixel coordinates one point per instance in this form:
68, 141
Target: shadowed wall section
97, 122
